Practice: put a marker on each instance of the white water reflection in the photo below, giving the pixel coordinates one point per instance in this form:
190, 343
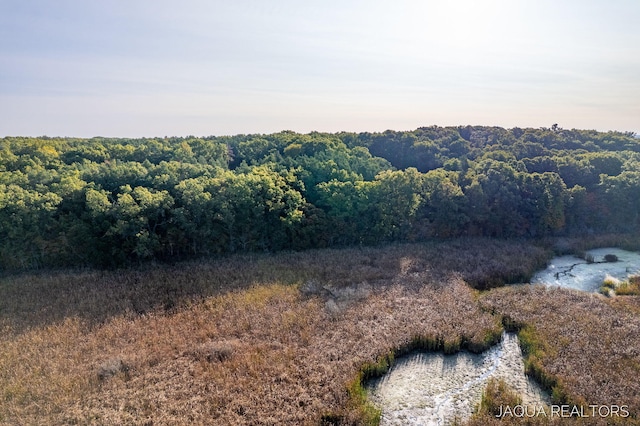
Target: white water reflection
576, 273
436, 389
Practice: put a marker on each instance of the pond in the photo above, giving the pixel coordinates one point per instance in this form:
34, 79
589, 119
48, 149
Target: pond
577, 273
436, 389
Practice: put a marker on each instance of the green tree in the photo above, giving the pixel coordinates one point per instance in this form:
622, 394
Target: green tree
444, 207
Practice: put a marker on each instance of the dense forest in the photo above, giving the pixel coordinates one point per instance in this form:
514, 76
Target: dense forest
107, 202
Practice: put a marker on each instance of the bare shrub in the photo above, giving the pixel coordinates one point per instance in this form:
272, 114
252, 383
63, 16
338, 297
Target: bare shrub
610, 258
113, 367
311, 287
215, 351
332, 307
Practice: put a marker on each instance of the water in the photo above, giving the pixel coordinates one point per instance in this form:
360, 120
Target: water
576, 273
436, 389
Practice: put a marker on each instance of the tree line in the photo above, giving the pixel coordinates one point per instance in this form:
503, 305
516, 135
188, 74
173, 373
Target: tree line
108, 202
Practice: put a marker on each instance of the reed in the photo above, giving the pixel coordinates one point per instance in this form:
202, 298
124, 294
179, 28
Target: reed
229, 341
288, 338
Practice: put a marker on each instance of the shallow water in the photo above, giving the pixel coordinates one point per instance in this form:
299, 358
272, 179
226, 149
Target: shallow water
436, 389
576, 273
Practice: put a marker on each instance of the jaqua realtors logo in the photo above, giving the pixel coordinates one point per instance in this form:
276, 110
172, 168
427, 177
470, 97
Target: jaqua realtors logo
585, 411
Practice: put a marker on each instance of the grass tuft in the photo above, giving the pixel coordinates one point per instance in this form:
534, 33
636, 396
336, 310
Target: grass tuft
631, 287
497, 394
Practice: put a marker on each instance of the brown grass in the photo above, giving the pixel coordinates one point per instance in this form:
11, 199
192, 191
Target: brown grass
583, 346
630, 287
579, 245
231, 341
274, 339
41, 298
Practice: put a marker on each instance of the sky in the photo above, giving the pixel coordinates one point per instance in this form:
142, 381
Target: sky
147, 68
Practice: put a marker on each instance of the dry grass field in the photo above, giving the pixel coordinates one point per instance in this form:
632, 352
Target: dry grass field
583, 346
287, 338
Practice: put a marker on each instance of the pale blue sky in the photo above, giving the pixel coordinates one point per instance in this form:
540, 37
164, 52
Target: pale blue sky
208, 67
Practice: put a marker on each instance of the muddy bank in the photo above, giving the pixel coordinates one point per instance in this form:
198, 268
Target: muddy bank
436, 389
